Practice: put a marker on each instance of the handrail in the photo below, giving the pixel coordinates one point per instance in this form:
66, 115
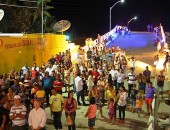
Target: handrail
153, 117
106, 35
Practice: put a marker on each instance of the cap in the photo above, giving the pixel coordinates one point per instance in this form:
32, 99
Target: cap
36, 84
20, 83
17, 97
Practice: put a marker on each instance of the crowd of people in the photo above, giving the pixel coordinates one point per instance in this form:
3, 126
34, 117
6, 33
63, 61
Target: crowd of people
98, 76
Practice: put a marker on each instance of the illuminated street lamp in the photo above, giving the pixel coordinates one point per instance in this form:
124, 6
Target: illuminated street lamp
134, 18
120, 1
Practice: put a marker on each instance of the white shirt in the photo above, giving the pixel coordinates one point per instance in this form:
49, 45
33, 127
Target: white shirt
120, 77
132, 63
37, 118
55, 67
37, 68
132, 78
78, 84
90, 82
114, 74
49, 70
117, 64
24, 69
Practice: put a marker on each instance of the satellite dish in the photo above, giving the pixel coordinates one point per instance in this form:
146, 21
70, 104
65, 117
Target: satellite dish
1, 14
61, 26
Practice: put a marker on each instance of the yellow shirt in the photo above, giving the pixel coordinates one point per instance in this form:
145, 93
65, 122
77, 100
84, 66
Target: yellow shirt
111, 94
40, 94
56, 101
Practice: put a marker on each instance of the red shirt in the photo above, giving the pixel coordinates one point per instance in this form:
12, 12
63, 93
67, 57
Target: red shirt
33, 73
58, 85
95, 75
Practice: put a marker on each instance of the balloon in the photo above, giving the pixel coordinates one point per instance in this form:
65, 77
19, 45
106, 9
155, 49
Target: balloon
1, 14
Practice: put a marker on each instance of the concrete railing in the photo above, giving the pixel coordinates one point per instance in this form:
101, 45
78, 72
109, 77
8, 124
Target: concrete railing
153, 119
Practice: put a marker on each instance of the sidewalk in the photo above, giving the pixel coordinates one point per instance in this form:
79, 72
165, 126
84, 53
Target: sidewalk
132, 121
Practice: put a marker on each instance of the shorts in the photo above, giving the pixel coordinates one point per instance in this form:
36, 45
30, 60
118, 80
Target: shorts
141, 92
99, 106
91, 122
148, 101
160, 88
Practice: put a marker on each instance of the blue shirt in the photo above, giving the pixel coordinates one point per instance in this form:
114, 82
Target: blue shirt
150, 91
48, 82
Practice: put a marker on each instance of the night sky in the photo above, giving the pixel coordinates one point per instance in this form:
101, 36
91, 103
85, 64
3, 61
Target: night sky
90, 17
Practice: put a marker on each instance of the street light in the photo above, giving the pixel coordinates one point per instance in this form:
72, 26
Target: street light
134, 18
120, 1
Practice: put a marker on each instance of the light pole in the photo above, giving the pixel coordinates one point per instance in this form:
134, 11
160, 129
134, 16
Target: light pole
110, 22
134, 18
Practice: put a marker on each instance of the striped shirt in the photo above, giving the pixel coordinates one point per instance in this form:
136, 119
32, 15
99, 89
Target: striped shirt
27, 82
131, 78
18, 110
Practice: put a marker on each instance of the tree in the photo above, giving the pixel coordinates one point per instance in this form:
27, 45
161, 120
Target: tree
27, 20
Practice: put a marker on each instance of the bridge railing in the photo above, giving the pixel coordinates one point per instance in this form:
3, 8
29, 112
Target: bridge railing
106, 35
153, 119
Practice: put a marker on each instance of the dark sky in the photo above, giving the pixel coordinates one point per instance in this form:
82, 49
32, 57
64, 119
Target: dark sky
90, 17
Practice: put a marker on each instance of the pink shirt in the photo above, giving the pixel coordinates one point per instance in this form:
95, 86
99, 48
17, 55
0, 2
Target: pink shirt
92, 111
122, 99
37, 118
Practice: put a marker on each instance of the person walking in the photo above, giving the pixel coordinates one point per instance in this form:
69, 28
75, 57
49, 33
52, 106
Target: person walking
70, 106
131, 81
160, 82
150, 91
139, 103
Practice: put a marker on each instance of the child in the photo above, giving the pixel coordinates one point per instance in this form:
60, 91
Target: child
134, 93
91, 113
110, 93
97, 95
139, 103
99, 103
111, 111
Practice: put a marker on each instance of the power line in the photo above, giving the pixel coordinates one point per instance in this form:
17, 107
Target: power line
19, 6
